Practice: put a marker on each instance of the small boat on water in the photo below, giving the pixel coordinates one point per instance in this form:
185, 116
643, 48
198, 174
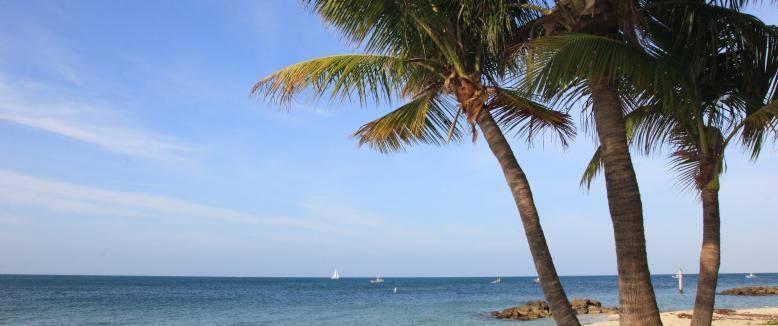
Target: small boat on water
751, 275
377, 280
536, 280
496, 281
335, 275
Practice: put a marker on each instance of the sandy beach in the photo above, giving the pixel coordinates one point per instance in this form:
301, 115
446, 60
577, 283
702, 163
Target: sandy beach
722, 317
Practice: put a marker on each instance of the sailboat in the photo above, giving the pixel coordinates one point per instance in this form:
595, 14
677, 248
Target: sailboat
751, 275
335, 275
377, 280
536, 280
497, 281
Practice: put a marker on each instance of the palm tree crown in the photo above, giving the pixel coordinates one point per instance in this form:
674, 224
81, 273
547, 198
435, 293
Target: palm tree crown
445, 57
719, 72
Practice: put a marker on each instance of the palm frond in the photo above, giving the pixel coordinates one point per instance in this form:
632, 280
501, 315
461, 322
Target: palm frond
565, 61
686, 166
517, 111
758, 125
425, 119
464, 34
365, 76
688, 157
648, 128
594, 167
379, 25
697, 35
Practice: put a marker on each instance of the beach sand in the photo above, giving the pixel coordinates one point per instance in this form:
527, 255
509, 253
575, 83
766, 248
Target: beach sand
755, 316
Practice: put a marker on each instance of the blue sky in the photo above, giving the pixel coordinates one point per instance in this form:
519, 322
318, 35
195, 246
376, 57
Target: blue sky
130, 146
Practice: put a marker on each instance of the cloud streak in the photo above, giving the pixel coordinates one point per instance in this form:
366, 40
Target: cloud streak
45, 108
52, 92
323, 221
20, 189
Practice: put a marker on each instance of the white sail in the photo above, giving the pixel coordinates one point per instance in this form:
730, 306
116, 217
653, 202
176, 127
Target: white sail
335, 275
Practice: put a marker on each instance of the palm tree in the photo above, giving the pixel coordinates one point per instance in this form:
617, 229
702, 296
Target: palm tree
602, 60
445, 57
725, 63
584, 65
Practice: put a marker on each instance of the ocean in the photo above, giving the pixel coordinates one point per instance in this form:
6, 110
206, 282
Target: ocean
130, 300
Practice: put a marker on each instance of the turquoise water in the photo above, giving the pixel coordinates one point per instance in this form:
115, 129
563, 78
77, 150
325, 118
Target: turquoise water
27, 299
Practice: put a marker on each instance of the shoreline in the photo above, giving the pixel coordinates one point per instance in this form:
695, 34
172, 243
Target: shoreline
722, 317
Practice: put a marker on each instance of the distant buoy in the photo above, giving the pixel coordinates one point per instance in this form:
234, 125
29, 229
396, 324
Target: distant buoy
680, 281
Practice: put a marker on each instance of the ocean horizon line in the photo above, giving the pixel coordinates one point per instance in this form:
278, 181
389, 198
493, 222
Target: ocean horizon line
351, 277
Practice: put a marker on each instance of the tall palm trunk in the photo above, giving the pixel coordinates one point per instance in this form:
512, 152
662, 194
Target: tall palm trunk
710, 257
637, 302
522, 194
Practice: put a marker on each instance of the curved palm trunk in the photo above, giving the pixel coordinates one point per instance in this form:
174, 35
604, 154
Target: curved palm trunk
552, 288
637, 302
710, 259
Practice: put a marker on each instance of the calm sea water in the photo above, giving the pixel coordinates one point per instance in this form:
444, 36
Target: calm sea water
26, 299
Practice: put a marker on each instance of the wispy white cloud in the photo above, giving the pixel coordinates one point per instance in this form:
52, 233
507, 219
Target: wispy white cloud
61, 96
329, 222
83, 122
20, 189
53, 109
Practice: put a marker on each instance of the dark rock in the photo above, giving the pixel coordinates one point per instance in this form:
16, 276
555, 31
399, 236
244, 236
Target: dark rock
530, 310
724, 311
684, 315
584, 306
539, 309
752, 290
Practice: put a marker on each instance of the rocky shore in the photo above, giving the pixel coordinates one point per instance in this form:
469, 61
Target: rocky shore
539, 309
752, 290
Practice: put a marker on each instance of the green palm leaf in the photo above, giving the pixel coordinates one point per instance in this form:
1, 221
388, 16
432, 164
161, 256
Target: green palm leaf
594, 168
365, 76
426, 119
758, 125
517, 111
561, 63
648, 128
